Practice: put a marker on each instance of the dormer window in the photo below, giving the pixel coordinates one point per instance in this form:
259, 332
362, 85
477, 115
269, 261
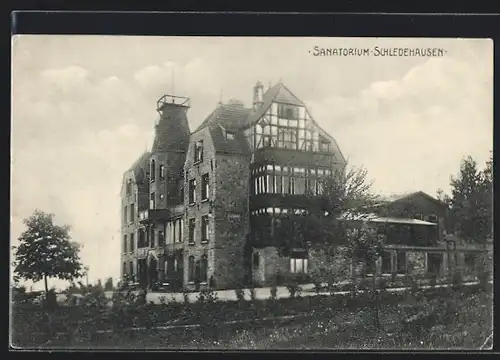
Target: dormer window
153, 171
198, 151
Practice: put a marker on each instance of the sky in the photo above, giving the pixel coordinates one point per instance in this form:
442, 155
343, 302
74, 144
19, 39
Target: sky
84, 111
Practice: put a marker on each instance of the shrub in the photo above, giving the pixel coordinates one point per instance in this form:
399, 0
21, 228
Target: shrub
432, 279
294, 289
240, 295
274, 292
484, 283
457, 279
253, 296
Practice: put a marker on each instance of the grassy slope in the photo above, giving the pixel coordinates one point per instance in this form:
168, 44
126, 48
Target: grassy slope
343, 329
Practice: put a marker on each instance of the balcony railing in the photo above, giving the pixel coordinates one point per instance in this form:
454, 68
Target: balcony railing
171, 100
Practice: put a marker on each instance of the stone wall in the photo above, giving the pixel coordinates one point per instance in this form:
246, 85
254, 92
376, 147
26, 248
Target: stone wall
195, 211
231, 215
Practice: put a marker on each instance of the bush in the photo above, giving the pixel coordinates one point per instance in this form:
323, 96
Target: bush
274, 292
484, 281
240, 295
457, 279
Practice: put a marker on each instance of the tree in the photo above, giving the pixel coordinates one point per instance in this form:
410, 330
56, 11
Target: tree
471, 201
347, 197
46, 251
108, 285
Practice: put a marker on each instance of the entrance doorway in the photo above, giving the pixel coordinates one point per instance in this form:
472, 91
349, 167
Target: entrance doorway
152, 272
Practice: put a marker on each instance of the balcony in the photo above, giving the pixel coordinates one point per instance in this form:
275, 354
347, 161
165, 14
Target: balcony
146, 216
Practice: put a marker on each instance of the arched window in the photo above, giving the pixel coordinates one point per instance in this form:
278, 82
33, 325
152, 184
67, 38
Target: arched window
191, 269
129, 186
153, 170
204, 269
166, 271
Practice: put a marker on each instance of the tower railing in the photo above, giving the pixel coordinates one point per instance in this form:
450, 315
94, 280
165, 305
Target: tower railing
172, 100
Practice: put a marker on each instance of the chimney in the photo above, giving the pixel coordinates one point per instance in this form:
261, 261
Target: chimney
258, 94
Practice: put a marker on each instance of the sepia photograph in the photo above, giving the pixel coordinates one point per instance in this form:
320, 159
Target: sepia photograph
251, 193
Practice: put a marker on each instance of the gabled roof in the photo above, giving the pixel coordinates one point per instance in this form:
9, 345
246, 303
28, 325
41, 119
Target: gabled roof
387, 199
278, 93
140, 168
230, 116
369, 217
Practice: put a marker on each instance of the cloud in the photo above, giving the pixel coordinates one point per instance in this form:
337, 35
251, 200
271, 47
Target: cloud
411, 132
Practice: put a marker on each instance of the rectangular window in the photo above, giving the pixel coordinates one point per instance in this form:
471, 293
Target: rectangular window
319, 185
299, 185
286, 184
434, 261
288, 111
191, 269
125, 270
142, 239
192, 227
324, 146
132, 213
132, 242
204, 268
401, 262
125, 215
279, 184
161, 238
192, 191
152, 201
162, 172
204, 228
266, 141
298, 266
129, 187
204, 187
152, 237
386, 266
131, 270
198, 151
181, 229
125, 237
174, 230
312, 186
256, 260
169, 239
